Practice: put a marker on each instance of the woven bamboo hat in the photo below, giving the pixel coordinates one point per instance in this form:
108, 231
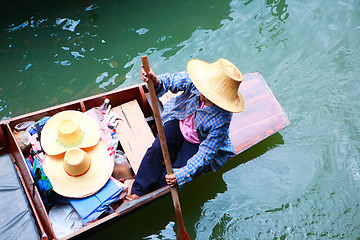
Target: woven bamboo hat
219, 82
78, 173
69, 129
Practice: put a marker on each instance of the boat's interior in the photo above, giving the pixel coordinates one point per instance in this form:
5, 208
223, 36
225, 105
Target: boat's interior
262, 117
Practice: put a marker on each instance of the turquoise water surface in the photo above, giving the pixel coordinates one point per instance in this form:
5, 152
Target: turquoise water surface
301, 183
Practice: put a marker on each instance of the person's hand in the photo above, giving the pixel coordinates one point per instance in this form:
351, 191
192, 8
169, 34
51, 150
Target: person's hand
171, 179
151, 76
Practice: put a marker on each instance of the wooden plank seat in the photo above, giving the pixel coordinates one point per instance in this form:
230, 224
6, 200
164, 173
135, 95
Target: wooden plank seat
134, 133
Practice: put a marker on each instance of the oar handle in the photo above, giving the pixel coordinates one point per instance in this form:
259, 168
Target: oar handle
157, 117
181, 234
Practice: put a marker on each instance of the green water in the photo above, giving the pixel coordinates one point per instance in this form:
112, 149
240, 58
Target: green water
302, 183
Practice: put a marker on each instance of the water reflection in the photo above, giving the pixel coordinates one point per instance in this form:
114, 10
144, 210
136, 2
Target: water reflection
278, 9
32, 23
167, 233
61, 45
272, 27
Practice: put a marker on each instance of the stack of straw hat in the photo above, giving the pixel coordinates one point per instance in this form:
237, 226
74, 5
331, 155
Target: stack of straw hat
76, 161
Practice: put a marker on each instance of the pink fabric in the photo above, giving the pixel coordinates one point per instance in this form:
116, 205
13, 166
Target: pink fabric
96, 114
35, 144
187, 128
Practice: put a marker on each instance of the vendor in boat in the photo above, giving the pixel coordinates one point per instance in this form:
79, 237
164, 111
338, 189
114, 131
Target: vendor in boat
196, 123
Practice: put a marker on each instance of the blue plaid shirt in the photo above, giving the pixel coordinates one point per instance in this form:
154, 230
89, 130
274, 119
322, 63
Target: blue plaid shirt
212, 125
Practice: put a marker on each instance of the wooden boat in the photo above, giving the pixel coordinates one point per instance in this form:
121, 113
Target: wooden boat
262, 117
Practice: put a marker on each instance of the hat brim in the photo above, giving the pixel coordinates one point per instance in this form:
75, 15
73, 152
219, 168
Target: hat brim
200, 72
102, 165
50, 131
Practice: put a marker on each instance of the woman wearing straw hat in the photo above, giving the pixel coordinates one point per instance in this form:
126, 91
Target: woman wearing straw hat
196, 123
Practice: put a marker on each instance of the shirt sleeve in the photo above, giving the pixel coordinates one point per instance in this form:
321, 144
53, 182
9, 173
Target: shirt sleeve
197, 163
173, 82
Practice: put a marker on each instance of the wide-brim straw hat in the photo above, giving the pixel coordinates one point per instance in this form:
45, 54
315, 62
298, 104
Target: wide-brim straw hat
69, 129
79, 173
219, 82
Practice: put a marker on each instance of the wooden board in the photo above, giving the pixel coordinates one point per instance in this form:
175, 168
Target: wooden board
262, 117
134, 132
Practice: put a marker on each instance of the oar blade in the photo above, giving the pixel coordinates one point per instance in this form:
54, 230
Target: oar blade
182, 234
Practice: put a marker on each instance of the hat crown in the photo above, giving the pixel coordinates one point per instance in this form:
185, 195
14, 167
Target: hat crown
230, 70
79, 173
76, 162
69, 129
69, 133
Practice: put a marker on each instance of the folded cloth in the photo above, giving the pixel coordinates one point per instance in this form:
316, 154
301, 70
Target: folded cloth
34, 139
40, 123
64, 220
90, 208
41, 181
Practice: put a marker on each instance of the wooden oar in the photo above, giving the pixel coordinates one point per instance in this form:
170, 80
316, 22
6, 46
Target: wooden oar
181, 234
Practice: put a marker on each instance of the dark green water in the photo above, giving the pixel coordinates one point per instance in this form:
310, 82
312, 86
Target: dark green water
302, 183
